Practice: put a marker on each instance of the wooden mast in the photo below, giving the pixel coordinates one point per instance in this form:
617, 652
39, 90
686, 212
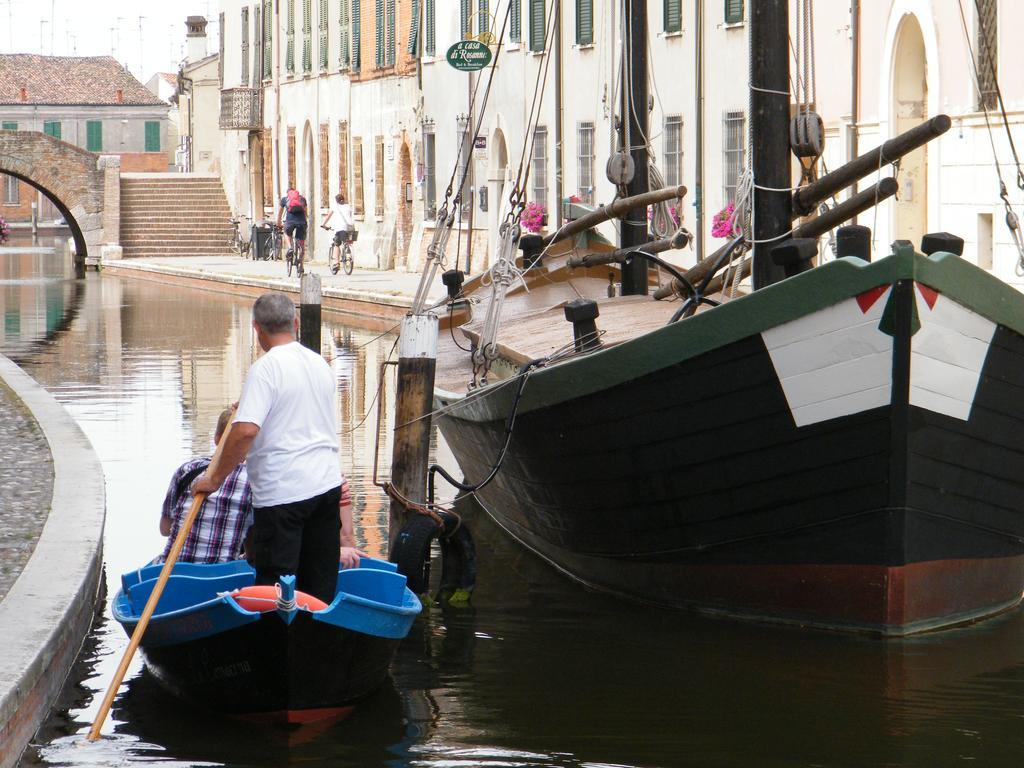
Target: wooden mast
769, 123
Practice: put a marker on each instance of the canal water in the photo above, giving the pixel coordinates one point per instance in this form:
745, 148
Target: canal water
538, 671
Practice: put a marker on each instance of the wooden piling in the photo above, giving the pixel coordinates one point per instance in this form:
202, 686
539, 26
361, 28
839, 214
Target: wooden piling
309, 311
410, 453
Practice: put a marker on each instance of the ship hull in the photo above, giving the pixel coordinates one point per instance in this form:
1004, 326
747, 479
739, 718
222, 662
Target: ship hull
849, 462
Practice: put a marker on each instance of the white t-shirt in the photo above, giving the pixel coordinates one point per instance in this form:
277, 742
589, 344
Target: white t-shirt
342, 216
289, 394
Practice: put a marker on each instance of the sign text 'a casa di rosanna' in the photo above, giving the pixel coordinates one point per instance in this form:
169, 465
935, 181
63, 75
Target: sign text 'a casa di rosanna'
469, 55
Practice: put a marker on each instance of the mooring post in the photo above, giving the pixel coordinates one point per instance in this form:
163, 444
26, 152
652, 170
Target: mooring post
410, 453
309, 311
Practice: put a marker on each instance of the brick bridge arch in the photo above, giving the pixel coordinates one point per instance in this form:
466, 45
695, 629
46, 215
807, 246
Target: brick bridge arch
84, 187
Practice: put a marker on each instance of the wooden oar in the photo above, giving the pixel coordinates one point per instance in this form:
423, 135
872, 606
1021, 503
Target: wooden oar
154, 598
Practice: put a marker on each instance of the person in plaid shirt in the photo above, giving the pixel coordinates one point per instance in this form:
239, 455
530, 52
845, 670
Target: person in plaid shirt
218, 534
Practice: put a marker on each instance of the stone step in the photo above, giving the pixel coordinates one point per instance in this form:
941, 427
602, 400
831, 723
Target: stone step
199, 250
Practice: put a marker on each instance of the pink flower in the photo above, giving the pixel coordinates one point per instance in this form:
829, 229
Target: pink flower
720, 223
532, 217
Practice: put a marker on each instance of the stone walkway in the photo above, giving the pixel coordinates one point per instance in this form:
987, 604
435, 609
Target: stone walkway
26, 486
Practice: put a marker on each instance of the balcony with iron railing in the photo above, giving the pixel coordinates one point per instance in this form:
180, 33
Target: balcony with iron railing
241, 109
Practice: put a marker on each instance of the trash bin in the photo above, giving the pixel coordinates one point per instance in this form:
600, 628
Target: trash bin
261, 232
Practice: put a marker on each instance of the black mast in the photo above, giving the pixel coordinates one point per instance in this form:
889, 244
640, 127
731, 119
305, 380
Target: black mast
769, 127
634, 114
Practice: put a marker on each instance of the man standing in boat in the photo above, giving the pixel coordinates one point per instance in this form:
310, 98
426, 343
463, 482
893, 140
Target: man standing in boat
223, 521
285, 429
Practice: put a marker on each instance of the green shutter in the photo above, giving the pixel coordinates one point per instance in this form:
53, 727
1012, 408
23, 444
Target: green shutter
357, 29
389, 42
9, 126
429, 34
537, 26
515, 33
52, 128
268, 38
94, 136
307, 35
323, 35
673, 15
152, 135
465, 20
585, 22
733, 11
378, 17
483, 18
289, 62
414, 29
344, 38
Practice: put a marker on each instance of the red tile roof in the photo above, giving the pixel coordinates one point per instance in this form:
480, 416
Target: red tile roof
27, 78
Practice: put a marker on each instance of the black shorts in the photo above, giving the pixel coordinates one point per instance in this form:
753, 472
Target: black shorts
301, 538
295, 230
342, 236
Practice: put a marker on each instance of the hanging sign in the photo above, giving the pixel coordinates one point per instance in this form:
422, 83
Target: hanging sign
469, 55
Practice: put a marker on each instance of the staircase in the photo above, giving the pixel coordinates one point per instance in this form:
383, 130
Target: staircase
174, 215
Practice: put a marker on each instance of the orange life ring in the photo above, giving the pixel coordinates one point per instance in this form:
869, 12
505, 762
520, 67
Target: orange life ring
263, 597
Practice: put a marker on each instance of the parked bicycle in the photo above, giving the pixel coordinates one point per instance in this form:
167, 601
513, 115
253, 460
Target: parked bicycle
272, 250
294, 258
241, 236
339, 256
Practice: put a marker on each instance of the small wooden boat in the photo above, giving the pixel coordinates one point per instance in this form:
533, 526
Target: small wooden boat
269, 653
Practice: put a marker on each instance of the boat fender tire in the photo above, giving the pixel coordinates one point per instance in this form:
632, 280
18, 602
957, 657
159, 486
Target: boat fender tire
411, 553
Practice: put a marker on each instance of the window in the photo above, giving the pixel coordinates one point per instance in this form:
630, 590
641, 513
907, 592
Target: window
585, 161
464, 152
378, 17
357, 175
325, 165
430, 31
94, 136
465, 20
9, 126
291, 158
289, 60
12, 191
245, 46
414, 31
483, 17
585, 22
673, 150
343, 158
52, 128
345, 35
268, 38
378, 177
324, 39
672, 10
152, 135
539, 166
307, 35
733, 12
389, 41
268, 168
515, 24
257, 47
734, 146
356, 37
987, 53
220, 57
537, 25
429, 174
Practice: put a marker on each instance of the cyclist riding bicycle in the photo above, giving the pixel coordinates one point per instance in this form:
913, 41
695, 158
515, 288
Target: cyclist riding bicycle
345, 222
294, 205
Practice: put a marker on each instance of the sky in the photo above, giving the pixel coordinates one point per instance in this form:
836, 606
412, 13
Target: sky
106, 27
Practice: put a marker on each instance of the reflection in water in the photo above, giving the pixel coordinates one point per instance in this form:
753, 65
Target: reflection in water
538, 671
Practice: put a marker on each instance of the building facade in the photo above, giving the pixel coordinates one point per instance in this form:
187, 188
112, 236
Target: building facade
370, 82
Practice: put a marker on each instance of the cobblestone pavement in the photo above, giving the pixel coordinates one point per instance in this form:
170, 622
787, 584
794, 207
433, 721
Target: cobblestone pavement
26, 486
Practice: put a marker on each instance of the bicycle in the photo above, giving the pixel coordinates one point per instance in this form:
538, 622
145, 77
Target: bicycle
240, 240
294, 258
340, 256
273, 249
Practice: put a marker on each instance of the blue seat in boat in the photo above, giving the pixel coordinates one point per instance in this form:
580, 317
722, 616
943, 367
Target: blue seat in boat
183, 591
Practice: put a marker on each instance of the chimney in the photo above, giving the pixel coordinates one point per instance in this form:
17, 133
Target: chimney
120, 96
196, 38
24, 93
